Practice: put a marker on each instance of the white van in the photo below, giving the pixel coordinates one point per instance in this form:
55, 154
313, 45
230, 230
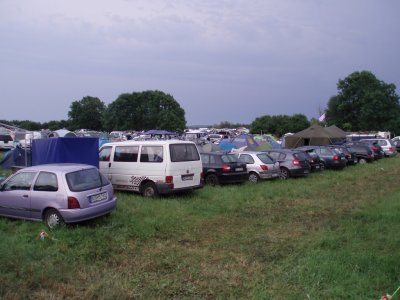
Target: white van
152, 167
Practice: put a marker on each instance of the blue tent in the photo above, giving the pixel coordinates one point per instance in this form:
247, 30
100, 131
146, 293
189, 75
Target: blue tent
245, 140
16, 158
84, 150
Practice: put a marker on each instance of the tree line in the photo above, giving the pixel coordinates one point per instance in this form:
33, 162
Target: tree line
363, 103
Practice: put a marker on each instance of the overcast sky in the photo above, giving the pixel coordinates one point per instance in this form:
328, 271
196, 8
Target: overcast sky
221, 60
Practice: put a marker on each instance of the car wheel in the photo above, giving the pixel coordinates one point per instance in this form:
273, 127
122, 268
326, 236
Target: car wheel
362, 161
322, 167
212, 180
53, 219
284, 174
253, 177
149, 190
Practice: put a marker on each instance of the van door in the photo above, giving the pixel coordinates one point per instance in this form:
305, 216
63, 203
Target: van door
105, 161
184, 165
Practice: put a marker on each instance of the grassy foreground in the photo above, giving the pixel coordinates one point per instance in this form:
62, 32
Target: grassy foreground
332, 235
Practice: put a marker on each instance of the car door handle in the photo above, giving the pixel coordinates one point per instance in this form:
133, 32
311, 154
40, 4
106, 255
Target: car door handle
25, 196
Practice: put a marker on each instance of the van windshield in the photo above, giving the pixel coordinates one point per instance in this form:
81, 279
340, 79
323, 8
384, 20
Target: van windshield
183, 152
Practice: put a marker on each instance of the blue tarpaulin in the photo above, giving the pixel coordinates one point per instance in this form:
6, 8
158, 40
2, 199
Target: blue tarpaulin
84, 150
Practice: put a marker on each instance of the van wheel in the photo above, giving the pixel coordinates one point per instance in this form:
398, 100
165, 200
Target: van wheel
212, 179
149, 190
253, 177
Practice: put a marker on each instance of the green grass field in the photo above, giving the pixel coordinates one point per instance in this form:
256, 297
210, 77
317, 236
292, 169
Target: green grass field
332, 235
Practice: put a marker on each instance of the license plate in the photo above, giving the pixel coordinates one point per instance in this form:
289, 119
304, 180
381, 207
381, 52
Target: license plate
187, 177
98, 197
239, 169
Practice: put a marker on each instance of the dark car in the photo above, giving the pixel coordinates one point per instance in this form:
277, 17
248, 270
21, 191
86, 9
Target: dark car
314, 160
378, 151
362, 152
330, 157
222, 168
292, 162
348, 153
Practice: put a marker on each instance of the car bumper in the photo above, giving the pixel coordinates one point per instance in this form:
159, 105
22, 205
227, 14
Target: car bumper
83, 214
166, 188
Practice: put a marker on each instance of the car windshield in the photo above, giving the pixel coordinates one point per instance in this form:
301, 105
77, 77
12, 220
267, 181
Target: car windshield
265, 158
86, 179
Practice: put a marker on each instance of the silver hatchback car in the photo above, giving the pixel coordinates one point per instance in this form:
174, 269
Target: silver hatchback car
259, 165
57, 194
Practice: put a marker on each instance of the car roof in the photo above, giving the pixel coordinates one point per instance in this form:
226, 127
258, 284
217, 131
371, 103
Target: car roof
59, 167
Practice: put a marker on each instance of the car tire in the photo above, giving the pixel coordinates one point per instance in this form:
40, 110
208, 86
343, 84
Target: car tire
53, 219
322, 167
362, 161
284, 174
149, 190
212, 180
253, 177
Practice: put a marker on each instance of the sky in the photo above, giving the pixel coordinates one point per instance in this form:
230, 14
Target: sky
221, 60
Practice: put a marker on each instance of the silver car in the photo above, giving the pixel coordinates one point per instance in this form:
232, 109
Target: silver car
57, 194
388, 146
259, 165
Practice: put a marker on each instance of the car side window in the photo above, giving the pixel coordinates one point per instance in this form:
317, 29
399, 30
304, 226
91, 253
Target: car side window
46, 182
246, 159
21, 181
205, 159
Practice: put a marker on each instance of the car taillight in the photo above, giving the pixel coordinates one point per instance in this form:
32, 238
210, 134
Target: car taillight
264, 167
226, 168
296, 162
73, 203
336, 157
390, 149
169, 179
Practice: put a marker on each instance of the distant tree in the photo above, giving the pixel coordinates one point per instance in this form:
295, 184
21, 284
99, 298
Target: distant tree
87, 113
280, 124
226, 124
364, 102
55, 125
143, 111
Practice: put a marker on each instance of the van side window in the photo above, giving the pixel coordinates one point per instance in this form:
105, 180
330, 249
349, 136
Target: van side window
151, 154
126, 153
183, 152
104, 154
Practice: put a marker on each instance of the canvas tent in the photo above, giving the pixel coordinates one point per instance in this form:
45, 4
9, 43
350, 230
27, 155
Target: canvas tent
84, 150
315, 135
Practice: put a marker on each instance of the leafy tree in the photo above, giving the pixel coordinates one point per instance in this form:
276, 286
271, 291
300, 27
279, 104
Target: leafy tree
143, 111
279, 125
87, 113
226, 124
364, 102
55, 125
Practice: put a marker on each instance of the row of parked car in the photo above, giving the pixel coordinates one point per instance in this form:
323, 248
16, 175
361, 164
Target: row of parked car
236, 167
70, 193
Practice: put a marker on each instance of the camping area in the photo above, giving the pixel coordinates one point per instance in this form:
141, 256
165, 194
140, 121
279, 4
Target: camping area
332, 235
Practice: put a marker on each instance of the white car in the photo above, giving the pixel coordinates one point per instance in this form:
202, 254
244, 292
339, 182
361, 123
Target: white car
259, 165
6, 142
387, 145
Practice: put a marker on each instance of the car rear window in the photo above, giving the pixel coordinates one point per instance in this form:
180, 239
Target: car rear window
229, 158
86, 179
300, 155
184, 152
